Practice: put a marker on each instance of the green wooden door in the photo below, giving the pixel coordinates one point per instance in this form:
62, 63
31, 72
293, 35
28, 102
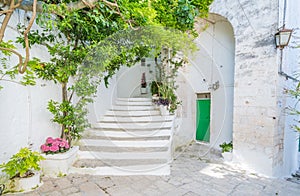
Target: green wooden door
203, 120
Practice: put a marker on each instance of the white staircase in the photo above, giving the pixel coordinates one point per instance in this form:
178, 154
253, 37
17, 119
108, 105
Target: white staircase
131, 139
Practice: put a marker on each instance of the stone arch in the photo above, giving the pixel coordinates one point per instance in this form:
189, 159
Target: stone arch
211, 71
219, 42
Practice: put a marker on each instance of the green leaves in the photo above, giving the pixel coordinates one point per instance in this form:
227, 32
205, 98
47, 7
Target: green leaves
106, 29
73, 118
226, 147
22, 164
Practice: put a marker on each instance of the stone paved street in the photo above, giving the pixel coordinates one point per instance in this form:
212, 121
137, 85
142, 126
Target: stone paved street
190, 175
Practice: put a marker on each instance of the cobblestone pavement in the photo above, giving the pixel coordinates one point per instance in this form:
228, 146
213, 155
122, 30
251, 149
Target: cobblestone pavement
190, 175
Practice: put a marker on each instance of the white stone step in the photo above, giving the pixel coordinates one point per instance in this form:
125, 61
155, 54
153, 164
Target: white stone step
117, 143
123, 149
132, 113
133, 103
136, 99
131, 108
121, 119
156, 169
129, 134
123, 155
93, 163
133, 126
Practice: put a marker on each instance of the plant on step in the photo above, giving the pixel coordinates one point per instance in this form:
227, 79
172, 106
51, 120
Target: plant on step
166, 79
143, 81
54, 146
154, 87
22, 164
226, 147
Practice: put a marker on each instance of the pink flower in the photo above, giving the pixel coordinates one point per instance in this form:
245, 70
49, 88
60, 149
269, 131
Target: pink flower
55, 143
45, 148
58, 139
62, 144
54, 148
49, 140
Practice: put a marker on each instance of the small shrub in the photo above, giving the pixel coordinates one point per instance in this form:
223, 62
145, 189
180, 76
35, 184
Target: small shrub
226, 147
22, 164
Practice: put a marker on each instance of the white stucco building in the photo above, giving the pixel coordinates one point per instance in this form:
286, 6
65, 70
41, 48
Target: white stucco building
236, 67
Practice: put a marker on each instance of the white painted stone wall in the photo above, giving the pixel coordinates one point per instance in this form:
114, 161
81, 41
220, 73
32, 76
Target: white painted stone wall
262, 139
214, 62
129, 79
24, 118
290, 65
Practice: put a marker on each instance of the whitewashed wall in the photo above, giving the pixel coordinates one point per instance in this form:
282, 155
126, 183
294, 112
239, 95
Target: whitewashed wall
129, 79
261, 134
213, 62
24, 118
291, 62
103, 101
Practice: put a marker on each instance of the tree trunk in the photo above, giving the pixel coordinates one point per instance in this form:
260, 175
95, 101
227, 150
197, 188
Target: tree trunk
64, 98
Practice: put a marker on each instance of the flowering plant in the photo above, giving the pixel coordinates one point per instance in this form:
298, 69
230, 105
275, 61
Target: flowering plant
53, 146
164, 102
143, 81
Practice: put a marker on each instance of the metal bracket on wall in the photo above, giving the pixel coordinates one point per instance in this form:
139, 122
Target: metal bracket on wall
214, 86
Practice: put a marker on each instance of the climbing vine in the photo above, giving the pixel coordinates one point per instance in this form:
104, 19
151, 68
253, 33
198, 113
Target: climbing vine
71, 28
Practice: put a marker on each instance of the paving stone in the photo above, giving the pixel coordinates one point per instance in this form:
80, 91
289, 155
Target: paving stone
190, 194
125, 191
54, 193
70, 190
47, 187
152, 192
62, 183
176, 191
78, 179
104, 183
187, 178
91, 189
76, 194
31, 194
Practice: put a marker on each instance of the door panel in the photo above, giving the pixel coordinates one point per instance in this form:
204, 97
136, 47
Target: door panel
203, 120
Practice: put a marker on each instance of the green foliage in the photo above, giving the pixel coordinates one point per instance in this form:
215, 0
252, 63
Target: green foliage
166, 79
295, 93
11, 74
72, 118
117, 37
226, 147
22, 164
154, 87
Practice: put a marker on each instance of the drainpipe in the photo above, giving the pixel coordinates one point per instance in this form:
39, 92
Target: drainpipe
281, 72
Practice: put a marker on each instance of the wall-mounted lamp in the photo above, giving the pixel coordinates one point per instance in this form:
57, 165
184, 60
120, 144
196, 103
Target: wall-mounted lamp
282, 37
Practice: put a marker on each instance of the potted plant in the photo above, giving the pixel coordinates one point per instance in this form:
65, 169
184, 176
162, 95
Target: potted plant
22, 171
163, 106
143, 84
227, 150
59, 156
